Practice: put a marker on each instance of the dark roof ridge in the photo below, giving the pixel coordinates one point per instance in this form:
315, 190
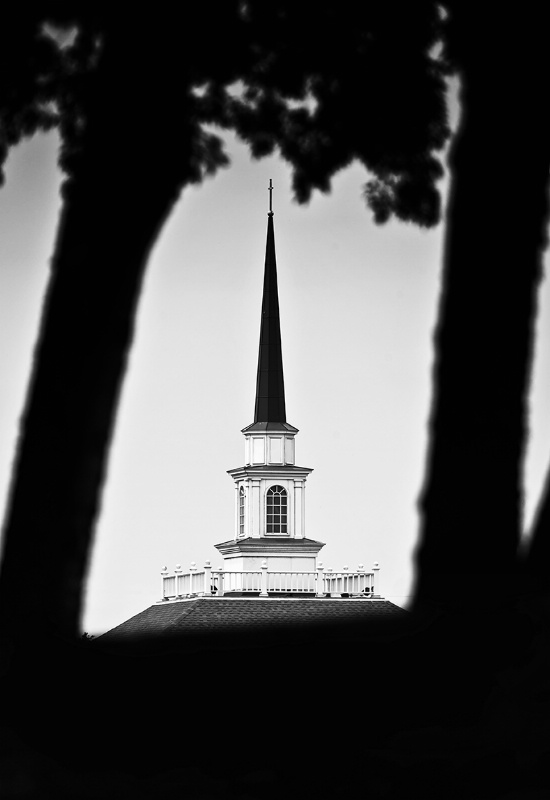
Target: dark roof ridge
186, 613
230, 614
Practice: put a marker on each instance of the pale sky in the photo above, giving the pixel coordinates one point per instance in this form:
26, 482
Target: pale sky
358, 307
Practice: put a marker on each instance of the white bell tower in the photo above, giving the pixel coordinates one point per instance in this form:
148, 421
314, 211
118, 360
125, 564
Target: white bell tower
270, 488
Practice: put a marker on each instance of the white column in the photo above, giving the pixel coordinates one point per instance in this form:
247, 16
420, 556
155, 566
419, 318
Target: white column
246, 486
298, 531
257, 524
247, 508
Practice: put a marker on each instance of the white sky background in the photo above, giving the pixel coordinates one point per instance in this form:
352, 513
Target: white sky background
358, 308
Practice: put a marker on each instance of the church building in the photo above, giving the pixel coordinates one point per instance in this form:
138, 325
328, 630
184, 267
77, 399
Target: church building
271, 575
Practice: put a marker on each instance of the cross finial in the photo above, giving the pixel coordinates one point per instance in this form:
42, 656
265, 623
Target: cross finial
270, 190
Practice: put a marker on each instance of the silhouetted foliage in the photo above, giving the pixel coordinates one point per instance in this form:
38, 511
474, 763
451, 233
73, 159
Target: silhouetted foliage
365, 89
325, 83
135, 96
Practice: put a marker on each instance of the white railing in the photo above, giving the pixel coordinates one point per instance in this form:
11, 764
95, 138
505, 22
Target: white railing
218, 582
346, 582
244, 581
281, 582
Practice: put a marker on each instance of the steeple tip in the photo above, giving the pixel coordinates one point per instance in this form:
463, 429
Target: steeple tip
270, 190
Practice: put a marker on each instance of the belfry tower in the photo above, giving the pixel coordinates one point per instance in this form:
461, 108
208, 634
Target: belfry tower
270, 488
270, 572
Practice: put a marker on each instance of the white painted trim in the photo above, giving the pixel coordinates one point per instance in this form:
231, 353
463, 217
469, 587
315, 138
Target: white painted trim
324, 600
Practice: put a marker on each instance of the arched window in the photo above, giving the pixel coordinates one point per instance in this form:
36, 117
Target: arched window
241, 511
276, 510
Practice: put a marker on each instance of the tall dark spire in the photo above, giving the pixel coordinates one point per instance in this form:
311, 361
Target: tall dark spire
270, 387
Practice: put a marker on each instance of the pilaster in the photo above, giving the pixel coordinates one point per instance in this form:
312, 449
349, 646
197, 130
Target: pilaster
255, 515
247, 511
298, 509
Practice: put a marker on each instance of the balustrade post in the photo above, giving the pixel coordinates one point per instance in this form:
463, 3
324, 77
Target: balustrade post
320, 580
376, 580
163, 575
264, 592
192, 571
220, 581
177, 572
207, 591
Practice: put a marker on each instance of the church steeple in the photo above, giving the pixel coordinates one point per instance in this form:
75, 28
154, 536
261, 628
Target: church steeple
270, 387
270, 408
270, 487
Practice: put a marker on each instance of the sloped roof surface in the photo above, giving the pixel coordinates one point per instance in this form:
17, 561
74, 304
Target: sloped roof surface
269, 544
284, 469
284, 427
205, 615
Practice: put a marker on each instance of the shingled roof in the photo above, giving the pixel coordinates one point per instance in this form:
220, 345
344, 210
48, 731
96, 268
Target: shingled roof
222, 617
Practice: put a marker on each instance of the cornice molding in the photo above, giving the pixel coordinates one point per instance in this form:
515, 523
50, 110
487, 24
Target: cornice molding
270, 471
270, 546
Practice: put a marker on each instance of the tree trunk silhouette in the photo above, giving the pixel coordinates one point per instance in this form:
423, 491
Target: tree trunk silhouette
496, 233
537, 556
124, 187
